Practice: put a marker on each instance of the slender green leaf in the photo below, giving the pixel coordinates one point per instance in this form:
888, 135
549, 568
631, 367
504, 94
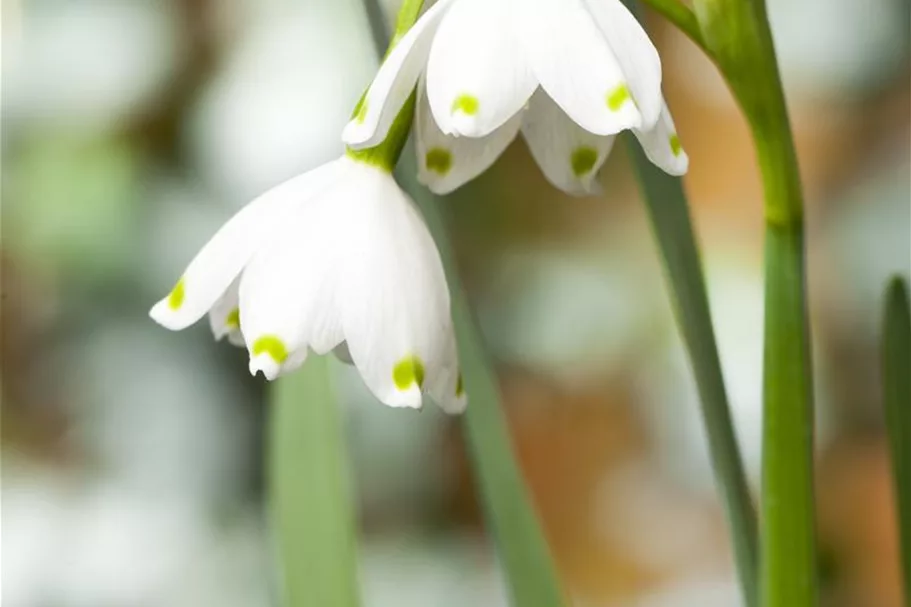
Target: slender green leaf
309, 485
896, 353
522, 546
668, 212
509, 511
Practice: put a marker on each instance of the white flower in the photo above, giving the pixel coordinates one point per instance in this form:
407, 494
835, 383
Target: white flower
335, 259
569, 74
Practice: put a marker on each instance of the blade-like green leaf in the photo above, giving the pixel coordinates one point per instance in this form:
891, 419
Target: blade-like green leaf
896, 353
509, 512
668, 212
309, 488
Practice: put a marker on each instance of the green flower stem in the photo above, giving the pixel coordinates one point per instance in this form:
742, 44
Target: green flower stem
680, 15
386, 155
310, 501
788, 533
670, 219
896, 355
408, 16
738, 34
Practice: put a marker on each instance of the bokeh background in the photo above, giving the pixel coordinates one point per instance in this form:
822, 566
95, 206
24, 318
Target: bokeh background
132, 457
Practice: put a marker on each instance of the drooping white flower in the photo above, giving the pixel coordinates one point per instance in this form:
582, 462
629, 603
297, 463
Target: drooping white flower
568, 74
338, 259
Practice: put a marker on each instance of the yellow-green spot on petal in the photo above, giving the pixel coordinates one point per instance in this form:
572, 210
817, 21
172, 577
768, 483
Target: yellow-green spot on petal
467, 104
408, 372
233, 319
360, 115
676, 146
460, 387
178, 294
618, 97
271, 345
439, 160
583, 160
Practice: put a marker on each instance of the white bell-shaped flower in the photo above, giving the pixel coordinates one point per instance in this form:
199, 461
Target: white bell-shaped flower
568, 74
338, 258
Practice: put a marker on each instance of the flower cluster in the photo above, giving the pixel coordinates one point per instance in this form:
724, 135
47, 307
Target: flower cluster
568, 74
339, 259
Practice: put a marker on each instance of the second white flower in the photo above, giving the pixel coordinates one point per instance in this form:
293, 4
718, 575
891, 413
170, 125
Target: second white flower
568, 74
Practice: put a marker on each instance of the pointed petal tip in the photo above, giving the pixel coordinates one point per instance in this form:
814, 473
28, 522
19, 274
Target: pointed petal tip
405, 399
220, 332
265, 364
440, 187
682, 166
464, 125
678, 166
456, 405
166, 316
356, 136
236, 338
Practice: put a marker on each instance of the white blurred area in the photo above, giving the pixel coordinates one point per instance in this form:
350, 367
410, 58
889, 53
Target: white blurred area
152, 504
132, 457
85, 66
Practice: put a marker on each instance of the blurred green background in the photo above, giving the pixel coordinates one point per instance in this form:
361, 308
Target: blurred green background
132, 457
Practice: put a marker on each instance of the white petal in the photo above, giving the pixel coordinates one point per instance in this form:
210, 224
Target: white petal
224, 317
574, 63
288, 290
394, 298
635, 52
224, 256
662, 145
447, 387
445, 162
394, 82
455, 400
477, 74
569, 156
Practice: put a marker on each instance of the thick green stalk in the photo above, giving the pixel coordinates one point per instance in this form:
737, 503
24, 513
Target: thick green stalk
738, 34
309, 491
896, 354
670, 219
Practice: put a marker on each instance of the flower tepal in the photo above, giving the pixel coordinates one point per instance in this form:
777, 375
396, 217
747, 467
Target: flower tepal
568, 74
335, 259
